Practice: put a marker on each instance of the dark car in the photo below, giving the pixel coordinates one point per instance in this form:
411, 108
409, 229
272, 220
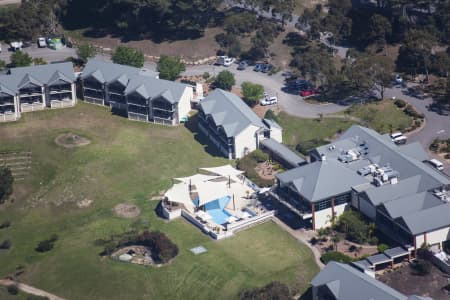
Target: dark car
443, 112
258, 67
267, 68
242, 65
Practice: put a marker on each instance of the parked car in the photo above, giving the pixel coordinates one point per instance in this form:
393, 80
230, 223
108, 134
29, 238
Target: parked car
267, 68
228, 61
15, 46
27, 44
258, 67
436, 164
443, 112
41, 42
398, 79
269, 101
309, 92
242, 65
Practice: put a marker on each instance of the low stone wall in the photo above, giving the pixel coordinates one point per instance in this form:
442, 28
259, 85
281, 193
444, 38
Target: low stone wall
31, 107
170, 215
61, 103
7, 117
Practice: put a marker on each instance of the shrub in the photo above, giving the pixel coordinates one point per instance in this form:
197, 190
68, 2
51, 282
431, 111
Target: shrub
271, 115
47, 245
447, 156
400, 103
410, 111
5, 224
6, 184
434, 146
6, 244
206, 75
382, 247
13, 289
335, 256
273, 291
353, 226
313, 241
259, 156
421, 267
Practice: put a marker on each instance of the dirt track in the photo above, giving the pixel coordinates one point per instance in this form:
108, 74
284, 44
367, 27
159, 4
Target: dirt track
29, 289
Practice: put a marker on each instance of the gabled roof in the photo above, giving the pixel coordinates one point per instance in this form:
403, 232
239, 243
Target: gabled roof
107, 72
428, 219
284, 152
235, 115
4, 90
44, 74
347, 283
149, 87
389, 192
411, 204
28, 80
321, 180
59, 77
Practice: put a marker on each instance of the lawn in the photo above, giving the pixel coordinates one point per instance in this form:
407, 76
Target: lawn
382, 116
125, 162
296, 130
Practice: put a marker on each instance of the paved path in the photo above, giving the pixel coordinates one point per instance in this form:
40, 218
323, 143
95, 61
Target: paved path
29, 289
47, 54
300, 236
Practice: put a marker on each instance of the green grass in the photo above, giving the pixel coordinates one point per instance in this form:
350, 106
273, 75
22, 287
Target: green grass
296, 130
381, 116
126, 162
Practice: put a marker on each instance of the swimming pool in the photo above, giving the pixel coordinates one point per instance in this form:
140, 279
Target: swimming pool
216, 209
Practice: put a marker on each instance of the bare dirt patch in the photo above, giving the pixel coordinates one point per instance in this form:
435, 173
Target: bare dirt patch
126, 210
266, 170
71, 140
85, 203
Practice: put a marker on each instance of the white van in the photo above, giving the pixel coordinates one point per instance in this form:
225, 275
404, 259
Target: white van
437, 164
396, 135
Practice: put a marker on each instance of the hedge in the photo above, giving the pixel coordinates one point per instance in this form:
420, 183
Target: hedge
335, 256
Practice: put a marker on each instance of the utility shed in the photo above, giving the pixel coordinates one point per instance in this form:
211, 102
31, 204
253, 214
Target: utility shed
282, 154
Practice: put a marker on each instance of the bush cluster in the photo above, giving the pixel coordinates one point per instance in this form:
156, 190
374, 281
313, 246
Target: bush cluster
355, 228
6, 244
306, 146
248, 164
400, 103
410, 111
5, 224
47, 245
421, 267
13, 289
335, 256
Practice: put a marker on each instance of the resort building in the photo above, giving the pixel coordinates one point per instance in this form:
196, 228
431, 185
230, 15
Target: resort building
339, 281
220, 202
136, 93
390, 184
232, 126
34, 88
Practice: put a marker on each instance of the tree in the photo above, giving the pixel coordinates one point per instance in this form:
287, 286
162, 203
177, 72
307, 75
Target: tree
39, 61
86, 51
252, 92
21, 59
128, 56
379, 30
225, 80
6, 184
170, 67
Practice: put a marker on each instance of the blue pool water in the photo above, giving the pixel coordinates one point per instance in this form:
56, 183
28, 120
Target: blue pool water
216, 209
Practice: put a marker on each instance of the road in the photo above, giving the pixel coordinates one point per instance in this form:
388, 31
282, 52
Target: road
29, 289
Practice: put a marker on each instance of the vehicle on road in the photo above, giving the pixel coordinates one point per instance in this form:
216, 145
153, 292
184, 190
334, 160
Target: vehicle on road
41, 42
398, 79
224, 61
258, 67
436, 164
242, 65
398, 138
266, 68
268, 101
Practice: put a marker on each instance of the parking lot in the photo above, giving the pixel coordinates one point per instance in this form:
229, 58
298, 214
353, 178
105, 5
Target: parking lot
47, 54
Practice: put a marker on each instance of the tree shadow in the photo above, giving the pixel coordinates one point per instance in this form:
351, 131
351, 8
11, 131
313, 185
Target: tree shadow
201, 138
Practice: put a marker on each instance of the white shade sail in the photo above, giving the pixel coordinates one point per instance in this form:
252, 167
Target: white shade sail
226, 171
179, 193
210, 191
194, 179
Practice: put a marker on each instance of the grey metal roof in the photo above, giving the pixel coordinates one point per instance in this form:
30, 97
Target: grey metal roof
410, 204
6, 87
353, 284
396, 252
362, 264
108, 72
428, 219
46, 74
284, 152
230, 112
149, 87
414, 150
389, 192
377, 259
321, 179
272, 124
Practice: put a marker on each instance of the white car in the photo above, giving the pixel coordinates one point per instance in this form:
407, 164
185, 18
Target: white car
228, 61
268, 101
41, 42
398, 79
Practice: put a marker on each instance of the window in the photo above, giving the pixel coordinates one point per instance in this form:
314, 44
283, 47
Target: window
322, 205
341, 199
